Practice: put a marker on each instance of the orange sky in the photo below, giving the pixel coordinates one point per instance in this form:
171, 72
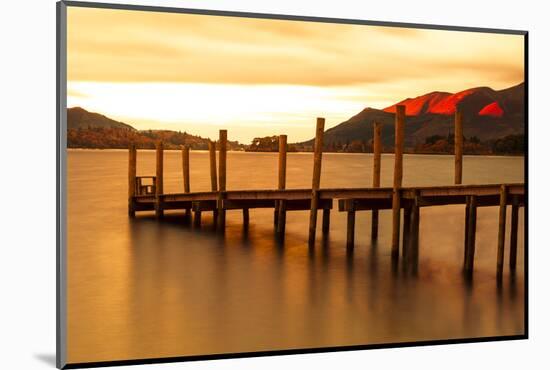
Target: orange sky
259, 77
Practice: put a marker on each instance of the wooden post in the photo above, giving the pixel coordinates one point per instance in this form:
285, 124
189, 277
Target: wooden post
132, 169
281, 204
197, 220
185, 168
222, 177
514, 234
351, 229
471, 242
326, 221
397, 178
159, 212
377, 159
213, 176
246, 217
501, 230
414, 233
316, 182
466, 235
458, 146
282, 162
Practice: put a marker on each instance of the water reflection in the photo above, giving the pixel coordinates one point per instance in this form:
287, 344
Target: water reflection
142, 288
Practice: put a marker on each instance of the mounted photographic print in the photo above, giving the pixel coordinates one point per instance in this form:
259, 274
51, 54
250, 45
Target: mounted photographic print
235, 184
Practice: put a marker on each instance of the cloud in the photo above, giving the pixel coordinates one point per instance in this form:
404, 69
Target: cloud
132, 46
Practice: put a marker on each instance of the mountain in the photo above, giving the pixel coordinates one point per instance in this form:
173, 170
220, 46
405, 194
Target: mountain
96, 131
488, 115
80, 118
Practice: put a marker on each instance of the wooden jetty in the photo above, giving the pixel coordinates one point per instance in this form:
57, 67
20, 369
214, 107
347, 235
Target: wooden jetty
146, 194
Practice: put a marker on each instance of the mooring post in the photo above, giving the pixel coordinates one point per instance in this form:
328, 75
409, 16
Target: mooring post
132, 169
459, 144
222, 177
514, 234
397, 178
159, 212
213, 176
501, 230
185, 168
471, 242
377, 159
316, 182
281, 204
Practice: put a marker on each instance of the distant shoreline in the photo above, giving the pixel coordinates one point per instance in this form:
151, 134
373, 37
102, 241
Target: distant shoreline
302, 152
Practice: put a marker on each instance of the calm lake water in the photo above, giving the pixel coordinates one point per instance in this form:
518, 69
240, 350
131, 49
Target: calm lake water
138, 288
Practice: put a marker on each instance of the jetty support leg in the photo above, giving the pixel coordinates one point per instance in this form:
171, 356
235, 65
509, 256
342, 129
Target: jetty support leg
351, 229
501, 231
280, 205
514, 234
471, 243
377, 159
326, 221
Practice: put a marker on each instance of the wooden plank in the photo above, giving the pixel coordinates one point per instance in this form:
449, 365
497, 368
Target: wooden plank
397, 178
458, 146
316, 181
212, 155
159, 178
514, 233
291, 205
132, 169
203, 195
371, 193
204, 205
377, 162
501, 231
456, 190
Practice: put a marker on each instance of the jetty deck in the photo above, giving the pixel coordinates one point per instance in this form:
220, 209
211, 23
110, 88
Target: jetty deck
146, 194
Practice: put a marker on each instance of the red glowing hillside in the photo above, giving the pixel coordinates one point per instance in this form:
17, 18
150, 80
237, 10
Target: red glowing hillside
493, 110
482, 101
